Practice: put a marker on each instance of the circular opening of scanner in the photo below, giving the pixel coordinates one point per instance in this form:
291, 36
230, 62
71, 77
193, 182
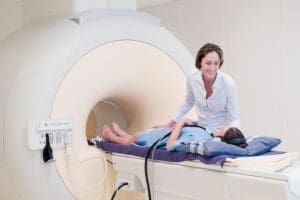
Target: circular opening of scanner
104, 112
124, 81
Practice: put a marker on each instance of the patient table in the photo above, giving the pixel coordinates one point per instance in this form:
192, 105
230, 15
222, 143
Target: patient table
270, 177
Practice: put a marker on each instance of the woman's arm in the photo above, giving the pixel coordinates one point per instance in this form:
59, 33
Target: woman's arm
176, 131
171, 124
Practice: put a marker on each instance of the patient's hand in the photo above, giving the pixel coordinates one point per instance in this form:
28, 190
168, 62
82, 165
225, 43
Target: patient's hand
171, 124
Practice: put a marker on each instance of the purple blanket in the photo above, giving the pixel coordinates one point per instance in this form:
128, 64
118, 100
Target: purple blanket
164, 155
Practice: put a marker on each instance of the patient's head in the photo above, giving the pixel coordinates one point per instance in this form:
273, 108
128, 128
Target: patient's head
234, 136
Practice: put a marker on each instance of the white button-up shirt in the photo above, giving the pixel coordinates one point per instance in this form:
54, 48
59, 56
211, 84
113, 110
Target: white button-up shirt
220, 109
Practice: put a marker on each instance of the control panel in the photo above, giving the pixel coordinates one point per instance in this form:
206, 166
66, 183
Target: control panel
60, 133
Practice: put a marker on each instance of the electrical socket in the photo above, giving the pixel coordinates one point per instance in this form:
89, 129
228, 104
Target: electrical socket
134, 184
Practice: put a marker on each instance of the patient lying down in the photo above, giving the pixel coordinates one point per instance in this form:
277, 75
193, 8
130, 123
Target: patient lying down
181, 134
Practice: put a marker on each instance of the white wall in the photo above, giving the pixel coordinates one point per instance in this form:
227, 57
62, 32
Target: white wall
10, 17
261, 43
190, 23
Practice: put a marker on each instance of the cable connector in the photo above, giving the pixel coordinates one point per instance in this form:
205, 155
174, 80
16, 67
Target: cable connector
47, 151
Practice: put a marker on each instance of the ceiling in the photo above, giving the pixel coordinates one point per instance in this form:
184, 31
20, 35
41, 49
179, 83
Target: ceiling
150, 3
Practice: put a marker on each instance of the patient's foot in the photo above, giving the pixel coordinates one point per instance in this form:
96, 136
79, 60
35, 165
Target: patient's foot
106, 133
110, 136
118, 130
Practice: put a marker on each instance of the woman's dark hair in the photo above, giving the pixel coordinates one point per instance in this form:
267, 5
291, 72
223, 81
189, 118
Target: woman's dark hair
205, 49
234, 136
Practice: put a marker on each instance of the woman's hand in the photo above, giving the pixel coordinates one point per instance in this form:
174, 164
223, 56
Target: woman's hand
176, 131
171, 124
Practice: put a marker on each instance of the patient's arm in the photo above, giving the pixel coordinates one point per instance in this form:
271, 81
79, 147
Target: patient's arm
176, 131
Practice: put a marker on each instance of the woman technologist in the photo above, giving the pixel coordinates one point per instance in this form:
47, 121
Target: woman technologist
211, 91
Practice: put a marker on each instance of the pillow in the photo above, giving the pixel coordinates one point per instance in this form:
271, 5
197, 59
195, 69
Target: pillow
256, 146
262, 145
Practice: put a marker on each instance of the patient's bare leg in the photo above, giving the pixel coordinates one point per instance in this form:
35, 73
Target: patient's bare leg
109, 135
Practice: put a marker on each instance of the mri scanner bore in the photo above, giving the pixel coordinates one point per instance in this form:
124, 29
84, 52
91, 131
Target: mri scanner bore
130, 100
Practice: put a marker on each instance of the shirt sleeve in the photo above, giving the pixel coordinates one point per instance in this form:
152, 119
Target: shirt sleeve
232, 106
187, 104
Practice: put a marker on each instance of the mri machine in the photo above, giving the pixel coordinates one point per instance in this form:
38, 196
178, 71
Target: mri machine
69, 75
71, 70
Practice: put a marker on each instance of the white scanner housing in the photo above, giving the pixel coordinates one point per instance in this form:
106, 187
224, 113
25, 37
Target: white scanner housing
64, 68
